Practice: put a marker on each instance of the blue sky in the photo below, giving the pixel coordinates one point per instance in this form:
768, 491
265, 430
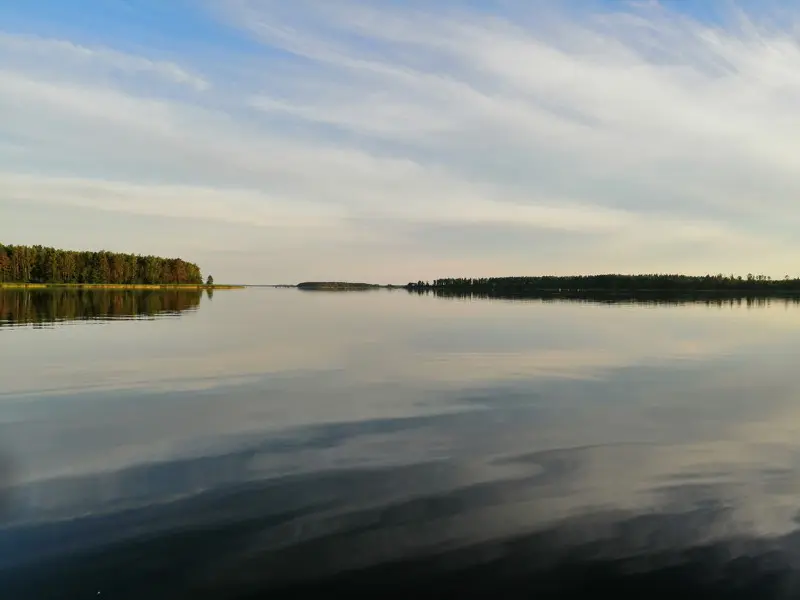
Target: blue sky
275, 141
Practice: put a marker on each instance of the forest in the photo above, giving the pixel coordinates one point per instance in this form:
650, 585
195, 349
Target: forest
611, 284
39, 264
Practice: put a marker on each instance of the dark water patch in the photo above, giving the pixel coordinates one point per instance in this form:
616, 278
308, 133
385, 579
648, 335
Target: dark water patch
616, 553
413, 530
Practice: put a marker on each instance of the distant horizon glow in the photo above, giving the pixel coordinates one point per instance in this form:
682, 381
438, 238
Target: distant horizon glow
273, 142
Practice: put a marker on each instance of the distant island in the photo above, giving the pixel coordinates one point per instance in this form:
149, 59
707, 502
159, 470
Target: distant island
610, 284
336, 286
31, 266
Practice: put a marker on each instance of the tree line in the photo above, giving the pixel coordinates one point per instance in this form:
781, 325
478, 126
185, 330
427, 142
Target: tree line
610, 283
40, 264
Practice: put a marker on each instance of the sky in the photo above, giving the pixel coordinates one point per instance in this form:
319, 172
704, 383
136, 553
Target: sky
276, 141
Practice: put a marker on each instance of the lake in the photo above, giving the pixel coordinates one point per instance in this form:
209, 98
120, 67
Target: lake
228, 445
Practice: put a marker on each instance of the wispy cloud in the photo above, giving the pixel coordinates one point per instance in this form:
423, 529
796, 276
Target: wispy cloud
243, 206
38, 52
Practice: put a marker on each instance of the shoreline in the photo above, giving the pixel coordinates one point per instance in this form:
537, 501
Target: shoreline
343, 286
119, 286
762, 289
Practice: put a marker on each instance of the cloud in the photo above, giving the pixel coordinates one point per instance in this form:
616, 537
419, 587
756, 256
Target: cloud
612, 104
230, 206
38, 52
643, 135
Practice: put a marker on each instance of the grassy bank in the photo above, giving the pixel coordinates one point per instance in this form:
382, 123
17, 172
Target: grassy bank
117, 286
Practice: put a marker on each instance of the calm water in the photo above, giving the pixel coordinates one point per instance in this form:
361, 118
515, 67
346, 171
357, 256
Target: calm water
179, 446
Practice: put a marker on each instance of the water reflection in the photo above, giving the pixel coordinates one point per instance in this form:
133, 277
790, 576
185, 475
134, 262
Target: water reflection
281, 442
46, 307
654, 298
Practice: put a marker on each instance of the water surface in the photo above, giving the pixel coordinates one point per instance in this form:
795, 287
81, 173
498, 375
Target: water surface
164, 446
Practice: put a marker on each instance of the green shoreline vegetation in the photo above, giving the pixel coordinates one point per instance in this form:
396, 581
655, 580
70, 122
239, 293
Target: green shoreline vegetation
39, 267
611, 284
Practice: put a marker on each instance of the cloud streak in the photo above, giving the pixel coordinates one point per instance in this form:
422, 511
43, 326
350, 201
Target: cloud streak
37, 52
